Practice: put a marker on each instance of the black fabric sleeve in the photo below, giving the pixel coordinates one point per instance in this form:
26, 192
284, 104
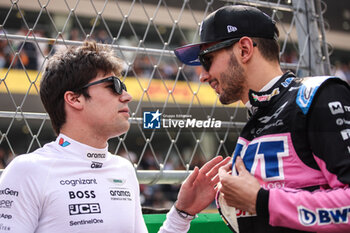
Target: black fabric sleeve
262, 203
329, 128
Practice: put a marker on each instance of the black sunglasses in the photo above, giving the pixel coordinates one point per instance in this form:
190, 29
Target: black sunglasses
119, 86
206, 60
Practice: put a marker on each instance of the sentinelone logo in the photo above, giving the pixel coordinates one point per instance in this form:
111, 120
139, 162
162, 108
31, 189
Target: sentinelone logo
157, 120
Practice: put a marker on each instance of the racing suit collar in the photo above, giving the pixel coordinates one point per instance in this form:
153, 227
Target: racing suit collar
270, 91
252, 109
80, 150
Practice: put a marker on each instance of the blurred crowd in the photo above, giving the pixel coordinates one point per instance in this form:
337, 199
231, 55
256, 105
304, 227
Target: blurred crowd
19, 54
342, 69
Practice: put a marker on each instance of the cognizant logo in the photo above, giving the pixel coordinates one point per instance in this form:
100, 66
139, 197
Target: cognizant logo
78, 182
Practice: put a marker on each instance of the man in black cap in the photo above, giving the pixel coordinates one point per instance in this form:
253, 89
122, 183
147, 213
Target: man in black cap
292, 159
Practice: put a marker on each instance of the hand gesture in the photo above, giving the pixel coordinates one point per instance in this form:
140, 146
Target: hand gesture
239, 191
199, 189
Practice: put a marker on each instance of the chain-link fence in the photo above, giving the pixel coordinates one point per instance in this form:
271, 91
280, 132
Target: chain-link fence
143, 34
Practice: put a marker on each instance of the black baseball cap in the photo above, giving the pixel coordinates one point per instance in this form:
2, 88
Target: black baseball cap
228, 22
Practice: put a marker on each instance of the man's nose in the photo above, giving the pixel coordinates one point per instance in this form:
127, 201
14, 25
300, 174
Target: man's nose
125, 97
204, 76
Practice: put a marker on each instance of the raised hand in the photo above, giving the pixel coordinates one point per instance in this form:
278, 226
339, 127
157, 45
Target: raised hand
199, 189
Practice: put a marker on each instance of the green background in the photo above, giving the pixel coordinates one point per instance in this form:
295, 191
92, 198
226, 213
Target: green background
208, 223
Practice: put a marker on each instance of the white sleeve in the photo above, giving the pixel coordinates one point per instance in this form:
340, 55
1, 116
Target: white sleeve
19, 201
174, 223
140, 225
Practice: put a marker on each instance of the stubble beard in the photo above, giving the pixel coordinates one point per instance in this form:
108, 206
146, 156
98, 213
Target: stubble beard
232, 82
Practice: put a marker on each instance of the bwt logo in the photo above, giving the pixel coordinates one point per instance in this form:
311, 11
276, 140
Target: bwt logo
151, 120
84, 208
323, 216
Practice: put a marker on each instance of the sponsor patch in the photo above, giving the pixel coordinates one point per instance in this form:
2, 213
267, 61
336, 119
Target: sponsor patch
82, 194
323, 216
84, 208
287, 82
266, 119
8, 191
5, 216
95, 155
120, 194
336, 107
118, 182
4, 227
96, 164
63, 143
345, 134
6, 204
266, 97
79, 181
84, 222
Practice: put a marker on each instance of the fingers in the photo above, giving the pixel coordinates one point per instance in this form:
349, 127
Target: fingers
219, 186
216, 179
240, 165
192, 177
224, 170
209, 165
215, 169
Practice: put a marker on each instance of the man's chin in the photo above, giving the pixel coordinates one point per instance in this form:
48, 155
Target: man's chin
122, 130
224, 100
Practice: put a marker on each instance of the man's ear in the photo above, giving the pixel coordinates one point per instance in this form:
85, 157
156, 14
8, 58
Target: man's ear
247, 48
74, 100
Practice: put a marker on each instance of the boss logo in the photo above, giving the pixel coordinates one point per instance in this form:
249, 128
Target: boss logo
84, 208
96, 165
82, 194
96, 155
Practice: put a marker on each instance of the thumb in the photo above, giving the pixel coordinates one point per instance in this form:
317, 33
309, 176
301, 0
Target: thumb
240, 165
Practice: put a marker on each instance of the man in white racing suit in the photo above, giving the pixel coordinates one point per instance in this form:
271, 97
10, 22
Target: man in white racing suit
74, 184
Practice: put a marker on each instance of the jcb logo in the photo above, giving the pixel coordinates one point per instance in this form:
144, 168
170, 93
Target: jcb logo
84, 208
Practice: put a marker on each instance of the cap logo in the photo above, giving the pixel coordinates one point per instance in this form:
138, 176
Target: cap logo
231, 28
